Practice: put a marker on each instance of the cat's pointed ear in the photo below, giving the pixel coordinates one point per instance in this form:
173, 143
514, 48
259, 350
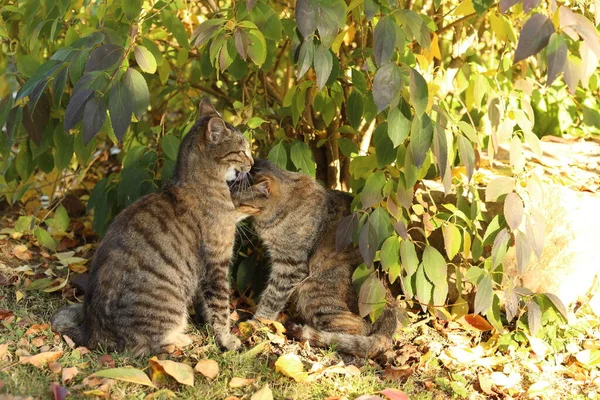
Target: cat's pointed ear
264, 187
216, 129
207, 109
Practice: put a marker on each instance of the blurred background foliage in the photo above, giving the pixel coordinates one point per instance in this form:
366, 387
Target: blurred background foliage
367, 96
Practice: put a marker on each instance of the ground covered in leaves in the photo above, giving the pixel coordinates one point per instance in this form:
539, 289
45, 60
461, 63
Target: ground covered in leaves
432, 359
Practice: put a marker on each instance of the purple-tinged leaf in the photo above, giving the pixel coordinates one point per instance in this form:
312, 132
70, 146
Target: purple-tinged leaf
36, 120
440, 148
120, 107
404, 193
573, 72
534, 36
506, 4
331, 16
367, 243
242, 39
306, 56
521, 291
499, 186
419, 93
250, 4
40, 75
523, 250
420, 138
401, 230
138, 88
371, 296
386, 85
384, 40
534, 316
513, 210
558, 304
323, 63
467, 155
499, 247
580, 24
535, 232
306, 17
557, 57
103, 57
484, 296
204, 32
529, 5
345, 232
75, 108
511, 304
94, 115
58, 85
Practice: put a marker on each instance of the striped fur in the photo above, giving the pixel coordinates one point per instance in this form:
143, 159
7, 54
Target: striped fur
297, 220
166, 251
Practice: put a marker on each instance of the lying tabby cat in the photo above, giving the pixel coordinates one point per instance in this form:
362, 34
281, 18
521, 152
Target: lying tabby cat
297, 220
166, 247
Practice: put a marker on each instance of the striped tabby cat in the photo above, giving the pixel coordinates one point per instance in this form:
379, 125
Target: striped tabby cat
297, 220
167, 250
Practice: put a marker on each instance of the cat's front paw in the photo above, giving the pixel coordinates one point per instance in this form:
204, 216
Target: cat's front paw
230, 342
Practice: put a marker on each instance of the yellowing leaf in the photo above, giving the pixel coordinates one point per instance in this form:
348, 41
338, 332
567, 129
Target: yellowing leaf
208, 368
181, 372
291, 365
68, 374
239, 382
41, 359
265, 393
18, 296
132, 375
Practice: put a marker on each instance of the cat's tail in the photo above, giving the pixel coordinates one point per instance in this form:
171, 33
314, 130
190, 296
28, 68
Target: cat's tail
69, 321
379, 340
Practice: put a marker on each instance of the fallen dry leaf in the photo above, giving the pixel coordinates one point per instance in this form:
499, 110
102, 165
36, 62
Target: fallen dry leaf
3, 350
41, 359
37, 328
239, 382
232, 398
55, 367
58, 392
4, 314
265, 393
133, 375
22, 252
485, 384
68, 374
478, 322
107, 361
400, 374
394, 394
208, 368
291, 365
507, 382
38, 341
181, 372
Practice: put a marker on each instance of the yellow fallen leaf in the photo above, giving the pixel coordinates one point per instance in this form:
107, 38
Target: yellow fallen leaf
3, 350
208, 368
41, 359
239, 382
160, 394
265, 393
181, 372
55, 367
68, 374
539, 388
18, 296
275, 326
291, 365
132, 375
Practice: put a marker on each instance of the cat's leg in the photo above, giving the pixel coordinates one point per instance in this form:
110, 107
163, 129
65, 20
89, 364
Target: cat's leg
216, 302
285, 276
322, 304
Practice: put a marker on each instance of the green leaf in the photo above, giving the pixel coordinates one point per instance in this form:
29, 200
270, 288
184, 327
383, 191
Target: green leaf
467, 155
306, 17
557, 57
170, 146
435, 266
534, 316
347, 147
278, 155
323, 63
360, 275
331, 16
384, 148
452, 239
367, 243
423, 286
305, 57
408, 254
58, 85
499, 186
484, 296
138, 89
302, 158
175, 27
132, 9
24, 224
371, 193
354, 109
380, 220
414, 27
61, 219
63, 148
132, 375
257, 48
45, 239
419, 93
499, 247
44, 71
371, 296
145, 59
398, 126
482, 6
255, 122
390, 253
120, 107
421, 137
386, 85
384, 40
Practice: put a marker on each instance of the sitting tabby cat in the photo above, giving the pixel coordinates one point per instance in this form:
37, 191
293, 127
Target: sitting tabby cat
167, 250
297, 220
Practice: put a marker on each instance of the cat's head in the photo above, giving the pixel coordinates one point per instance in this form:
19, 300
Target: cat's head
213, 146
262, 192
